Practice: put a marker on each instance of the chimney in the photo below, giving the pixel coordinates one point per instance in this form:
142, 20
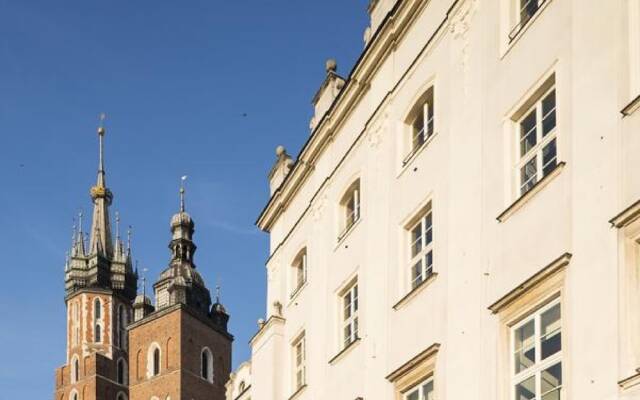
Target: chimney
280, 169
327, 93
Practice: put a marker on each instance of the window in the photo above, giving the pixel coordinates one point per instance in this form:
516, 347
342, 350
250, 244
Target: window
350, 315
121, 396
421, 248
299, 270
422, 391
242, 386
73, 395
97, 316
75, 324
121, 372
153, 360
75, 369
122, 327
536, 344
420, 122
299, 362
350, 205
206, 365
525, 10
537, 150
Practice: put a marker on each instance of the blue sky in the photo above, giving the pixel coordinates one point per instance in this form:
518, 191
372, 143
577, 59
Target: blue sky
202, 88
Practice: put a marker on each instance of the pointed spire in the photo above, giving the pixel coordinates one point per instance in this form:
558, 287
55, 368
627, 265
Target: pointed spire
102, 197
184, 178
77, 249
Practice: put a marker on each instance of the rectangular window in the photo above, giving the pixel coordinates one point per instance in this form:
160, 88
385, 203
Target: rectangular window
301, 270
536, 344
421, 248
422, 391
299, 361
537, 150
525, 10
350, 315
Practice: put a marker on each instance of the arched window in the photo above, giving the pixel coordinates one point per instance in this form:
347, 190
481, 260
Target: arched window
97, 308
73, 395
75, 368
206, 365
242, 387
421, 123
299, 271
122, 372
350, 207
153, 360
121, 336
121, 396
98, 333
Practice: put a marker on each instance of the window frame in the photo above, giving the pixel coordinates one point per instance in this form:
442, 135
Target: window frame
351, 320
98, 313
122, 367
350, 217
539, 365
543, 140
154, 368
299, 268
419, 388
517, 24
206, 352
422, 109
421, 219
75, 369
299, 359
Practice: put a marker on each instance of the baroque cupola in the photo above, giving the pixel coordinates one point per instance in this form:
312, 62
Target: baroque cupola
103, 263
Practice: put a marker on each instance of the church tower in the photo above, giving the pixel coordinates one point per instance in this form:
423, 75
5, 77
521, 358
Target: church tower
100, 287
182, 348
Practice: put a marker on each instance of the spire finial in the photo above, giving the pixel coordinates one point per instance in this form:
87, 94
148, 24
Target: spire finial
184, 178
117, 226
218, 291
101, 132
129, 229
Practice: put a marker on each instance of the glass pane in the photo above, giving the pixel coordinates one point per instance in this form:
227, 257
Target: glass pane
526, 390
551, 337
549, 113
528, 175
355, 298
524, 346
414, 395
416, 274
549, 157
429, 263
427, 391
355, 328
428, 222
416, 240
551, 382
347, 306
527, 9
528, 137
347, 334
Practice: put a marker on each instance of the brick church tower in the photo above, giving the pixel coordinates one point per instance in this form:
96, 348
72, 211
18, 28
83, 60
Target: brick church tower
100, 286
121, 347
181, 350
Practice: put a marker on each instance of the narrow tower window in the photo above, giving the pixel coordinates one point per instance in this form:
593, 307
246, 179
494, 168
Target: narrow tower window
156, 362
75, 367
206, 365
97, 316
122, 372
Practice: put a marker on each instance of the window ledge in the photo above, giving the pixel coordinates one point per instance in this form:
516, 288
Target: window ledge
511, 42
413, 155
347, 232
522, 200
627, 216
415, 291
294, 295
632, 107
630, 381
344, 351
298, 392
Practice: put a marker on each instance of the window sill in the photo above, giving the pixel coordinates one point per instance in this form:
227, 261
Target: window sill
415, 291
344, 351
512, 41
406, 163
632, 107
294, 295
297, 392
630, 381
347, 232
522, 200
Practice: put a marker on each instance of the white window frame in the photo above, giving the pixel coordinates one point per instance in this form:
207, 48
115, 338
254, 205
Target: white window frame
98, 308
519, 23
539, 365
425, 247
350, 206
541, 142
419, 388
299, 267
75, 369
150, 360
299, 362
424, 108
349, 305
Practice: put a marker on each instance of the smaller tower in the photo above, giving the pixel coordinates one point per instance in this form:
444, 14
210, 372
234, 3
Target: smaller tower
182, 350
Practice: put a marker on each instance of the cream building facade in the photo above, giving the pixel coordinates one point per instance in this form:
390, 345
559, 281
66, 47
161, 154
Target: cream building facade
464, 218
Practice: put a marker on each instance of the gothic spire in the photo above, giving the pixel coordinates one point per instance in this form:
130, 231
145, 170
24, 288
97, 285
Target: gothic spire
100, 242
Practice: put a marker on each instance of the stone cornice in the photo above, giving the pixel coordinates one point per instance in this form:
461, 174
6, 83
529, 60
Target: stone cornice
393, 28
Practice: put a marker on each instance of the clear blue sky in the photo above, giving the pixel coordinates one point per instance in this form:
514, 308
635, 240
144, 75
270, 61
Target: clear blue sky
175, 79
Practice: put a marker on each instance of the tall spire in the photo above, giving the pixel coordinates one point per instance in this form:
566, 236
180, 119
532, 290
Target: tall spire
100, 242
184, 178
